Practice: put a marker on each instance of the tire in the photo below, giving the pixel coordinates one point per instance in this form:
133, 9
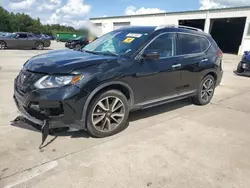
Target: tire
105, 120
78, 47
204, 95
239, 68
39, 46
2, 45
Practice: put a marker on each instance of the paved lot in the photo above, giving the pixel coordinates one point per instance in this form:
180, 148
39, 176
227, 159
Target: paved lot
175, 145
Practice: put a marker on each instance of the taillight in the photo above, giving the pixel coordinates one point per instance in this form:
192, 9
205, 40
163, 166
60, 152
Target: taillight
219, 53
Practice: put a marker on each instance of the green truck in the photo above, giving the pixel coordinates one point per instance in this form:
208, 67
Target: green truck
63, 37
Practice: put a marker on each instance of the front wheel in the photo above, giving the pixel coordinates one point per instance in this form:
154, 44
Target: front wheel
205, 91
240, 68
78, 47
107, 114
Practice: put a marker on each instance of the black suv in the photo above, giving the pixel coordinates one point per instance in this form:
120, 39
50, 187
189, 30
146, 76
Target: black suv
127, 69
76, 43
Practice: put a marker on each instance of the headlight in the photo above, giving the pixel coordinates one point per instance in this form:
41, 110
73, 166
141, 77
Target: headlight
57, 81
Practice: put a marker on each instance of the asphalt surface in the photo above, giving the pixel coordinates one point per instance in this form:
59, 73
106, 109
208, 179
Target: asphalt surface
174, 145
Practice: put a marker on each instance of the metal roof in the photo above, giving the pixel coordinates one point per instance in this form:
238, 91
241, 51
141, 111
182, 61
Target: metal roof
169, 13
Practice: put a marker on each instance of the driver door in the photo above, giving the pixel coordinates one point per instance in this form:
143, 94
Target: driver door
160, 79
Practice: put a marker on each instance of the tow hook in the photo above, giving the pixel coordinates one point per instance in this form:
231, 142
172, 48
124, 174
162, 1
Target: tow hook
45, 132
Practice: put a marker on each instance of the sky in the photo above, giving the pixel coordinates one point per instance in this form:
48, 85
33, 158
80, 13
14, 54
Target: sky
76, 12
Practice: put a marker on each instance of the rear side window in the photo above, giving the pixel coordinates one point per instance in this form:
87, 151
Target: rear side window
204, 43
189, 44
22, 35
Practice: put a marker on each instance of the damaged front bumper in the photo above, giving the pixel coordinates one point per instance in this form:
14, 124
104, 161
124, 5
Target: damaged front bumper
52, 108
62, 107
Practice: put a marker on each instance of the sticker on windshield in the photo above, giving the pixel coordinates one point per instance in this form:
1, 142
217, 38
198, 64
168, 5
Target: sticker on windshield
135, 35
128, 40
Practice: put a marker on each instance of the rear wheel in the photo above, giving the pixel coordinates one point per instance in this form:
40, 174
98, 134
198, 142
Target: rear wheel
39, 46
205, 91
240, 68
2, 45
107, 114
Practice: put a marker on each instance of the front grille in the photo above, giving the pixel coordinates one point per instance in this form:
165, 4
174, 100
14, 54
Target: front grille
26, 80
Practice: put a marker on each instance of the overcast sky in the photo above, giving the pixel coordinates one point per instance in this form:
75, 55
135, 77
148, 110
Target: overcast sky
74, 12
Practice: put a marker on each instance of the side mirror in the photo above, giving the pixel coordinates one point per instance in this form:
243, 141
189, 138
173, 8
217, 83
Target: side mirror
152, 55
16, 36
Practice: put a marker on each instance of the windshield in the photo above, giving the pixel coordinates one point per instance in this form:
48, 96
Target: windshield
117, 42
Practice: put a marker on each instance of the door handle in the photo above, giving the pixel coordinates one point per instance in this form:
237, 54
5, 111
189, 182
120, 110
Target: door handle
176, 65
204, 60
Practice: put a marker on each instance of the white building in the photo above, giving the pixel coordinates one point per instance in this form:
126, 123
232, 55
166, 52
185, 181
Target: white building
228, 26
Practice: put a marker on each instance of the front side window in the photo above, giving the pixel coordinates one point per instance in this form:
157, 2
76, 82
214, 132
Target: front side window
189, 44
117, 42
164, 45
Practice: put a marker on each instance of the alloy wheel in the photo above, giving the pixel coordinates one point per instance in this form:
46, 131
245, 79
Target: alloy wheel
207, 89
2, 45
108, 114
77, 47
40, 46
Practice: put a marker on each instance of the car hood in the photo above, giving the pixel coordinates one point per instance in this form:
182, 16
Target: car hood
64, 61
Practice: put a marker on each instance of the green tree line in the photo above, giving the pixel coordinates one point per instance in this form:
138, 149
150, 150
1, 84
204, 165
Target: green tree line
11, 22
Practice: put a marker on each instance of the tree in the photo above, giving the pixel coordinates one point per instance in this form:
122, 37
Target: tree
11, 22
4, 20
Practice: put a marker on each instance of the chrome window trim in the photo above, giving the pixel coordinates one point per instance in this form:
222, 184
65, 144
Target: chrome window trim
137, 57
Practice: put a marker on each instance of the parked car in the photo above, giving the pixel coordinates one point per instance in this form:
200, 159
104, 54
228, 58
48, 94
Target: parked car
5, 34
127, 69
76, 43
244, 65
44, 36
23, 40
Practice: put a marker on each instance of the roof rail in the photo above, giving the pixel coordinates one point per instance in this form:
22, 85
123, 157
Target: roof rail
178, 26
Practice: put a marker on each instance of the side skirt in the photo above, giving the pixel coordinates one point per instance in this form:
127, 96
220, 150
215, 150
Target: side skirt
164, 100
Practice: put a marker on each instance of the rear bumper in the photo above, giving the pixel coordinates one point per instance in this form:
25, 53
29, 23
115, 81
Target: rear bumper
219, 77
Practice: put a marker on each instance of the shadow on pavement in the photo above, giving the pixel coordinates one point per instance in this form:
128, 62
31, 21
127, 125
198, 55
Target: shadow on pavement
134, 116
141, 114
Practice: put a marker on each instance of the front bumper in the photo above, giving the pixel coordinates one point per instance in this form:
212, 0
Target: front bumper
61, 107
70, 45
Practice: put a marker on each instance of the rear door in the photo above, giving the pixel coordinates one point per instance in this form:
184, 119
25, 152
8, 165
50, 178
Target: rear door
192, 55
21, 41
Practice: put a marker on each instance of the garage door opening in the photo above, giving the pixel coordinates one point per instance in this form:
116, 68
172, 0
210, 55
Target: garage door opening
199, 23
228, 33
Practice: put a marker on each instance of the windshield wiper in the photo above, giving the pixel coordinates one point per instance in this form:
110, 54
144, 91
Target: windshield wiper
91, 52
101, 52
108, 53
